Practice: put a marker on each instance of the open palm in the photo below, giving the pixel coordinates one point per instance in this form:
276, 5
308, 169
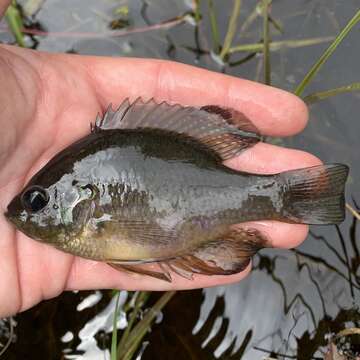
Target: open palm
48, 102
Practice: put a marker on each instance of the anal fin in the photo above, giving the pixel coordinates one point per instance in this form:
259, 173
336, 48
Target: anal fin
138, 269
228, 255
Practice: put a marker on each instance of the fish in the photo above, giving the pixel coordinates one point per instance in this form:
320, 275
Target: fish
148, 185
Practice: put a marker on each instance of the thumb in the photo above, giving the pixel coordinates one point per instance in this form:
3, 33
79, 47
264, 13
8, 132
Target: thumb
3, 6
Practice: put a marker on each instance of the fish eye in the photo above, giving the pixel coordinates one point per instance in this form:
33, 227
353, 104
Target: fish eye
35, 198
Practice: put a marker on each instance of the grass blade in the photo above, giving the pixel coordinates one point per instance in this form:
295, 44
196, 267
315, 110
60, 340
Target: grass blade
14, 20
251, 17
140, 299
353, 211
258, 11
167, 24
332, 92
197, 13
328, 52
139, 331
266, 50
114, 332
214, 27
277, 45
276, 24
231, 29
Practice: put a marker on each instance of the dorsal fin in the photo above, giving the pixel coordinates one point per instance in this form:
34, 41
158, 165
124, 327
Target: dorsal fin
225, 131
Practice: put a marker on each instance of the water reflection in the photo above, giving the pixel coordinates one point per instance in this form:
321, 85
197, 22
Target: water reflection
102, 322
292, 300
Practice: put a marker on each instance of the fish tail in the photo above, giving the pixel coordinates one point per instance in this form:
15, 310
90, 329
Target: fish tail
315, 195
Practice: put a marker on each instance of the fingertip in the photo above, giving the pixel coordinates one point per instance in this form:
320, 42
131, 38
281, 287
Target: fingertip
300, 113
230, 279
291, 112
274, 111
280, 234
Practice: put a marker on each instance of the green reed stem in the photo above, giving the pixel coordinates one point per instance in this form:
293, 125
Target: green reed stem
251, 18
14, 20
353, 211
139, 331
258, 11
276, 24
114, 332
266, 50
325, 56
321, 95
140, 298
277, 45
197, 13
231, 29
214, 27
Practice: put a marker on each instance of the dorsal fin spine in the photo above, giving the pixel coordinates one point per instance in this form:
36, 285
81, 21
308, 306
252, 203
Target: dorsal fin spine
210, 125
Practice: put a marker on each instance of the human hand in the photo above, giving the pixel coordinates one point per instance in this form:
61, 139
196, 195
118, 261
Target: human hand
49, 103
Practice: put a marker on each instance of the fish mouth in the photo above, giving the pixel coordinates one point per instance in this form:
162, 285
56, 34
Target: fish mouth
11, 217
7, 215
13, 210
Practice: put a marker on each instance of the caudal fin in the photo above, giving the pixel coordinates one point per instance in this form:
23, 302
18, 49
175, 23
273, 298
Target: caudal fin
315, 195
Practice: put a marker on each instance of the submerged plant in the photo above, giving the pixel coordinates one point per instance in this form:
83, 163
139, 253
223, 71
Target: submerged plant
6, 333
137, 326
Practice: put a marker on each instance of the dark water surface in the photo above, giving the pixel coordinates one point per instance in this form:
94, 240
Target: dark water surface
293, 300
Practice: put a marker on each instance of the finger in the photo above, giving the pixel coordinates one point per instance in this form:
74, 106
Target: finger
266, 158
42, 270
3, 5
275, 112
9, 300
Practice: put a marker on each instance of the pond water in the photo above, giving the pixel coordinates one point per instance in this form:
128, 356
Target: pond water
294, 299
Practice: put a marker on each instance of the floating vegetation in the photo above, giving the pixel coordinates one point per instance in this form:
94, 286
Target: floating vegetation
122, 18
